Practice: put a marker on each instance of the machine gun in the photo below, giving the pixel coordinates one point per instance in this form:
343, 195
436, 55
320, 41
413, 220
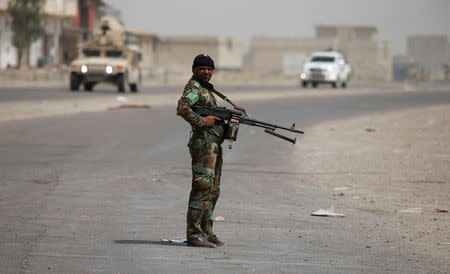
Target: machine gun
232, 118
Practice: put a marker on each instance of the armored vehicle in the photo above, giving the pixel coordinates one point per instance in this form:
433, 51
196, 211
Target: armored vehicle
107, 58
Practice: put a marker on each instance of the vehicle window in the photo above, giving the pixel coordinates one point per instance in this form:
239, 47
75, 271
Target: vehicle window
115, 53
322, 59
91, 52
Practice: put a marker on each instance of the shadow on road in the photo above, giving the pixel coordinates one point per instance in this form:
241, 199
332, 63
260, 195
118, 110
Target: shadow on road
145, 242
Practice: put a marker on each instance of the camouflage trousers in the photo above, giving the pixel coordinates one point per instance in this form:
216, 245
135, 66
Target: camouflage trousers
206, 171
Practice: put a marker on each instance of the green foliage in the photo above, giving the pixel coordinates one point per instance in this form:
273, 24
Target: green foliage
27, 23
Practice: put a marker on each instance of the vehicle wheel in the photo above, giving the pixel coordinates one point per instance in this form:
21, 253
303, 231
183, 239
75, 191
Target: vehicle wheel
74, 82
334, 84
314, 84
344, 84
89, 86
304, 84
122, 82
136, 87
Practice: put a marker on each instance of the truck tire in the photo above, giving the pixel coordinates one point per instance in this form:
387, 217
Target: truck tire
334, 84
74, 82
304, 84
89, 86
344, 84
314, 84
122, 82
136, 87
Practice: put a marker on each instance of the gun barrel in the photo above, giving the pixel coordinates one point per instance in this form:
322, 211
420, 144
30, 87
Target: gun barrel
271, 132
254, 122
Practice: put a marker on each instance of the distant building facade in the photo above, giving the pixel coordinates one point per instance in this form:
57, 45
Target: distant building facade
370, 59
78, 28
431, 53
147, 43
176, 53
46, 49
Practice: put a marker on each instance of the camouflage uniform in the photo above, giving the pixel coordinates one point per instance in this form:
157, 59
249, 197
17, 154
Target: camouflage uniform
206, 152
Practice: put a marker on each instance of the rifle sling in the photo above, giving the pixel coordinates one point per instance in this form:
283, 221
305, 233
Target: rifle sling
223, 97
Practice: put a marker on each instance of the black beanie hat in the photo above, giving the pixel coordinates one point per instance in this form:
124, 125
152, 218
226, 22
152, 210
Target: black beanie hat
203, 60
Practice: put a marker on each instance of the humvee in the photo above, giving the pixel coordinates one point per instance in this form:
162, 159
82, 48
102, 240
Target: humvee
106, 58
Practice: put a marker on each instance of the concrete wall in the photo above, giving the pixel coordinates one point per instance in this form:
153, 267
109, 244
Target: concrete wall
53, 31
370, 59
230, 54
8, 53
56, 12
146, 42
148, 50
346, 32
61, 8
268, 55
176, 53
430, 52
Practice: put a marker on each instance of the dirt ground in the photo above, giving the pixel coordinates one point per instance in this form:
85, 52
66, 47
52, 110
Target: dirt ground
394, 166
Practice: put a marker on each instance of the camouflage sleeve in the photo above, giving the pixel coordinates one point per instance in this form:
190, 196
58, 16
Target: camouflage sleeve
187, 100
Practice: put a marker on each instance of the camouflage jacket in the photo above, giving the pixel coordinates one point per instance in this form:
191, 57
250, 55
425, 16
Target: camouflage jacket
197, 93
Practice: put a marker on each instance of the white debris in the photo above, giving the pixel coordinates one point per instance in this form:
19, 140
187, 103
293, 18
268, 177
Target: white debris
343, 188
327, 213
412, 210
174, 241
122, 99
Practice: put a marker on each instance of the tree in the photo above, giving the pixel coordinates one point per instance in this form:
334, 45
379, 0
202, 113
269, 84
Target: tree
27, 25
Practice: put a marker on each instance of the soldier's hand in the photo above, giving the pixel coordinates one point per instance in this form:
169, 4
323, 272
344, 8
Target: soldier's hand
235, 118
239, 108
210, 120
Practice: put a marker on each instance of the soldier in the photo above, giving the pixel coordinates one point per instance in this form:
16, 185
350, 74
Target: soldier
206, 152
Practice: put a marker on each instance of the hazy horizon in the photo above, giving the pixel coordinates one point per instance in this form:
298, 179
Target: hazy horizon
395, 20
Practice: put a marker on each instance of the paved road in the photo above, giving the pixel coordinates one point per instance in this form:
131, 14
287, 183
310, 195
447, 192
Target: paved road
95, 192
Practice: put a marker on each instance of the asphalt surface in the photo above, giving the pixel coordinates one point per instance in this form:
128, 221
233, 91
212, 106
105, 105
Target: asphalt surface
95, 192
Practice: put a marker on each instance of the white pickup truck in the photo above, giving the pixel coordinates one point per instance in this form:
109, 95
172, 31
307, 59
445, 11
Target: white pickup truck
326, 67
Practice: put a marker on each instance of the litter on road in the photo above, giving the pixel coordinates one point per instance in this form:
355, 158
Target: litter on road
327, 213
122, 99
174, 241
412, 210
336, 194
441, 210
122, 106
219, 218
343, 188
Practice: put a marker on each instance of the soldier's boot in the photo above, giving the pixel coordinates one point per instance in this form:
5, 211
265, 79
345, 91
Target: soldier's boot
213, 239
200, 242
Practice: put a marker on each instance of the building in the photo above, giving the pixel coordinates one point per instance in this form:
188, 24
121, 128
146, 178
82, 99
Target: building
7, 51
78, 28
175, 53
147, 43
46, 49
370, 59
431, 53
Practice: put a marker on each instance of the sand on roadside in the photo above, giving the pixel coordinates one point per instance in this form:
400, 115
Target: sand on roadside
393, 166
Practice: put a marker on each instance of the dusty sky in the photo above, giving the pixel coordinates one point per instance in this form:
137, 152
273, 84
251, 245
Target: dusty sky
395, 19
